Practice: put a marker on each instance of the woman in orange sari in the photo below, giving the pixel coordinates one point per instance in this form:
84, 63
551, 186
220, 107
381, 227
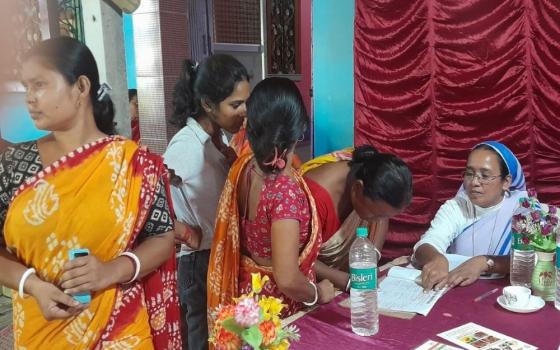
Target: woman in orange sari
79, 188
267, 221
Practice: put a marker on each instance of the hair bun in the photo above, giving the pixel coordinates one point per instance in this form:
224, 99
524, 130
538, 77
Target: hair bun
364, 153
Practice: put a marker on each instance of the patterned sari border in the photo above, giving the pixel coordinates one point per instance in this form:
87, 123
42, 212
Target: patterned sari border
73, 157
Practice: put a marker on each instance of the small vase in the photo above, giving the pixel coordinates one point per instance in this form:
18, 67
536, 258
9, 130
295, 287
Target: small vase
544, 276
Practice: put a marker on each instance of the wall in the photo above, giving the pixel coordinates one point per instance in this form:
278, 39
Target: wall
333, 75
15, 123
304, 84
128, 31
160, 40
104, 37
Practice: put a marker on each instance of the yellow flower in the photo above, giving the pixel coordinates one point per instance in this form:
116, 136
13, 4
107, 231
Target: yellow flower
258, 282
283, 345
271, 308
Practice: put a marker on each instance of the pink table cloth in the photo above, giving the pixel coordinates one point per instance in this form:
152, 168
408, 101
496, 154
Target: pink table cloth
328, 327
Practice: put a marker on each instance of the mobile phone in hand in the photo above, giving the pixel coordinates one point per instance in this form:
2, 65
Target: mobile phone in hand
82, 298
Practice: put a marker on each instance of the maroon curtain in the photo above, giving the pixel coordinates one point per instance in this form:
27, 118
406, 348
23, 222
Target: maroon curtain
435, 77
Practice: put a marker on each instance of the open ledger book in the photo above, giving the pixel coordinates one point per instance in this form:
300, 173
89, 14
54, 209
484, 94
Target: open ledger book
401, 289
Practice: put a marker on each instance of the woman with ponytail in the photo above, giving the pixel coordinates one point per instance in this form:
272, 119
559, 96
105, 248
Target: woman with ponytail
209, 99
267, 221
79, 187
352, 188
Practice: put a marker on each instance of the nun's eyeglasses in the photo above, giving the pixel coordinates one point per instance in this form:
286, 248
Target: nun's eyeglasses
483, 179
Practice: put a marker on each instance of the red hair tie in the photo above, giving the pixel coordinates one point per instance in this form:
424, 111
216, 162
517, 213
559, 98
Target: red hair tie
278, 162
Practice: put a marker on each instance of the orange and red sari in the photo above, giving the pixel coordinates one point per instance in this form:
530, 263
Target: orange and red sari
96, 197
229, 273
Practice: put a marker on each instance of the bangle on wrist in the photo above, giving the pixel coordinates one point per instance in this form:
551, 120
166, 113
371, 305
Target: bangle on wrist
378, 253
136, 262
316, 295
22, 280
349, 283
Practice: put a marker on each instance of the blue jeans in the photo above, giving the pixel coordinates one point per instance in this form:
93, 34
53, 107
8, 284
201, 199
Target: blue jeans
192, 272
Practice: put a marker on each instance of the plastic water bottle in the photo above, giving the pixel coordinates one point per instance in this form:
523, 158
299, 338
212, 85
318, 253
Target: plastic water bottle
522, 261
557, 299
522, 264
363, 285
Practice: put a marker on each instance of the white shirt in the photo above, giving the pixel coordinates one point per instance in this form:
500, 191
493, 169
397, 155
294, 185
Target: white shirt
203, 170
450, 220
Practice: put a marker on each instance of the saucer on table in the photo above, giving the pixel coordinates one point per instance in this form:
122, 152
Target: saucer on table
535, 303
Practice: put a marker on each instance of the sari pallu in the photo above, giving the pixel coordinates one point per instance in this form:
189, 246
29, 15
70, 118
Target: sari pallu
96, 197
229, 271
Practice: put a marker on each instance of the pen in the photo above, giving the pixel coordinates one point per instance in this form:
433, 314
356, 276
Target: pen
482, 296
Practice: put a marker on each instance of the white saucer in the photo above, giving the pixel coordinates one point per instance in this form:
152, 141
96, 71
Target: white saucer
535, 304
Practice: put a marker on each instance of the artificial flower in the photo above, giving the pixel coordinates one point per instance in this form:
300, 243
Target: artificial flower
268, 330
252, 323
247, 312
283, 345
271, 308
226, 340
535, 224
258, 282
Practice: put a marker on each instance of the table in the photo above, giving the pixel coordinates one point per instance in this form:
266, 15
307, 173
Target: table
328, 327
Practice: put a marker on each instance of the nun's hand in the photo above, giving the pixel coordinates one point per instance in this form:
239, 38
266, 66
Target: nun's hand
435, 273
468, 272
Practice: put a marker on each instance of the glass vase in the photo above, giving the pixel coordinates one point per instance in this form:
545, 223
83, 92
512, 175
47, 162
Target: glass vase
543, 281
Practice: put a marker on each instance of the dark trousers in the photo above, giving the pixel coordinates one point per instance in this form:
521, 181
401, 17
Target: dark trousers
192, 272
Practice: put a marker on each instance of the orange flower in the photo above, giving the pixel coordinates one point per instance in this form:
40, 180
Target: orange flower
225, 312
268, 330
225, 340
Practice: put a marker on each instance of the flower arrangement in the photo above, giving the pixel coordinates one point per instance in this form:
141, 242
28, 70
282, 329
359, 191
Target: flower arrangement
252, 323
536, 224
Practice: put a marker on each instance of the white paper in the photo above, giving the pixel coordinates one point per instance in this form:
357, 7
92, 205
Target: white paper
434, 345
401, 289
397, 294
472, 336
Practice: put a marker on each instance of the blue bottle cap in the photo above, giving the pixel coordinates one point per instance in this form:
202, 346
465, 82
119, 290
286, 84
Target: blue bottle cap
361, 232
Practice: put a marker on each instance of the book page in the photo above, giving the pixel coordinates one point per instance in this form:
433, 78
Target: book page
401, 290
405, 273
472, 336
398, 294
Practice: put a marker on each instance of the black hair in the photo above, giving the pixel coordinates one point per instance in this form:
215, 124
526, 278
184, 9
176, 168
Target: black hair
276, 119
132, 93
385, 176
212, 81
504, 171
72, 59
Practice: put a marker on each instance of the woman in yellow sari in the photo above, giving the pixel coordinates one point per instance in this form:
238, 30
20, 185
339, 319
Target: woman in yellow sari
267, 221
78, 188
352, 188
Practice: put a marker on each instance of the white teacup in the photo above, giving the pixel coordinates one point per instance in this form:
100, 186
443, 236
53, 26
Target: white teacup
516, 296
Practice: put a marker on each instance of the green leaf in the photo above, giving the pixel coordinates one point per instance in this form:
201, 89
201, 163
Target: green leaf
253, 337
230, 325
